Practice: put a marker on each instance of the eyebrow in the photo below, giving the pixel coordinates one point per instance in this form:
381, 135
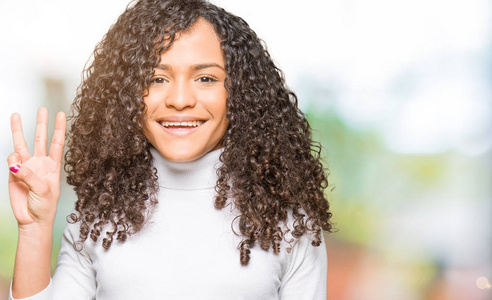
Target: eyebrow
194, 67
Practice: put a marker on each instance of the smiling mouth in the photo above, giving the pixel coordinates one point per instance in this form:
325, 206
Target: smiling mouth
184, 124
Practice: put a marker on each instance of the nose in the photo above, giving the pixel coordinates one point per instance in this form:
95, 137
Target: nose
181, 95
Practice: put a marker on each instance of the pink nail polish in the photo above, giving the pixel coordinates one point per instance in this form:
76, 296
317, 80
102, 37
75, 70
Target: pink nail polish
15, 168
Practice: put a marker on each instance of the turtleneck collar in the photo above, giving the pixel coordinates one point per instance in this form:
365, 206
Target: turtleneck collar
195, 175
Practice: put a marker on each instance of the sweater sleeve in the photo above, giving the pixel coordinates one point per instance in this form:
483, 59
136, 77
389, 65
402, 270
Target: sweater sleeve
74, 277
306, 275
43, 295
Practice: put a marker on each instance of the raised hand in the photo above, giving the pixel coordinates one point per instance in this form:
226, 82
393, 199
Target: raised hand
34, 181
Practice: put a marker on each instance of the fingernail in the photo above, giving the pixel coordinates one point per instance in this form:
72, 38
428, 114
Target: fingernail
14, 168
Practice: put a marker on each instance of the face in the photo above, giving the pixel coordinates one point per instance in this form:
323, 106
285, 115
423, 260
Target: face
186, 103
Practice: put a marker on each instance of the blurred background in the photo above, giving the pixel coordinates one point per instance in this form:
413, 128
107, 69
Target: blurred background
399, 93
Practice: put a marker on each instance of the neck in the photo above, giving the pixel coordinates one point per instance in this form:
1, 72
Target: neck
194, 175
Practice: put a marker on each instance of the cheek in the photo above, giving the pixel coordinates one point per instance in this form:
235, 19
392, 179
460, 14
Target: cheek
147, 101
219, 105
151, 103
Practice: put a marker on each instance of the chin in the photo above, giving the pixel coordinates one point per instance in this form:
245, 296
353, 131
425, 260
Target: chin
185, 156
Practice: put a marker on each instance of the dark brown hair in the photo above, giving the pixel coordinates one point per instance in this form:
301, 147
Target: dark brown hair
271, 166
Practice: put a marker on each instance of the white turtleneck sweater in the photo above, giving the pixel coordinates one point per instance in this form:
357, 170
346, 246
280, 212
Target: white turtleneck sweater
187, 250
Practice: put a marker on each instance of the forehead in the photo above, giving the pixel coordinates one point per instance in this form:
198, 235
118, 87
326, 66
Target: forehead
199, 44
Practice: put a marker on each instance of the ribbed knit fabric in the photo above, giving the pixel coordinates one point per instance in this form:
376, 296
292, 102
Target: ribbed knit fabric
187, 250
198, 174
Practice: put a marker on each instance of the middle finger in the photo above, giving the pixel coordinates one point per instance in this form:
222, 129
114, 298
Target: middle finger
41, 133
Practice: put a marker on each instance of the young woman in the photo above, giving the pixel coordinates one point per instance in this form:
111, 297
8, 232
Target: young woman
194, 170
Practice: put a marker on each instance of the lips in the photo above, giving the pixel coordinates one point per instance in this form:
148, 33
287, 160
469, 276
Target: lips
181, 127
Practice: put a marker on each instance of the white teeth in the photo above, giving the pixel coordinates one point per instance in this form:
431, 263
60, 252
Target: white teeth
182, 124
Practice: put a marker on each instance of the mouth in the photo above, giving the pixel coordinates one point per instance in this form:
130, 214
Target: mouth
181, 128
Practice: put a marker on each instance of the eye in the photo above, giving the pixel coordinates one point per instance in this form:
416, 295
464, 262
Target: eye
158, 80
206, 79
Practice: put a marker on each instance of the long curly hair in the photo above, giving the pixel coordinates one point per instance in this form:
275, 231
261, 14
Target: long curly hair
270, 165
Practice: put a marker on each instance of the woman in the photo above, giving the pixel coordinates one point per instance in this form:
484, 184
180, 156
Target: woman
193, 168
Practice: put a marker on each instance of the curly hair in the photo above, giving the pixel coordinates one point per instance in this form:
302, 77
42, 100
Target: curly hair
270, 165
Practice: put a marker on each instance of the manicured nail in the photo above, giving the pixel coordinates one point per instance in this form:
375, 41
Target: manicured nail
14, 168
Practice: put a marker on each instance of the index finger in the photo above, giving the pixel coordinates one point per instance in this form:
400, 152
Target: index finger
58, 141
20, 145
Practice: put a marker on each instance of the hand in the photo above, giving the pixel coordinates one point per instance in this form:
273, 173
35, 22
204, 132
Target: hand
34, 181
